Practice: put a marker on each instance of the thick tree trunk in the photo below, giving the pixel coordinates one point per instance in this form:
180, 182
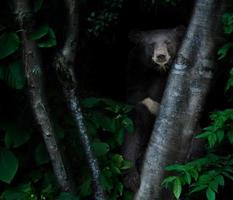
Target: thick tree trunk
64, 63
183, 99
33, 70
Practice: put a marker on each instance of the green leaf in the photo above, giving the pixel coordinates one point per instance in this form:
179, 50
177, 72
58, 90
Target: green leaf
105, 122
187, 178
85, 188
223, 51
128, 124
37, 4
14, 195
168, 180
41, 155
220, 180
15, 136
230, 81
67, 196
40, 32
120, 136
106, 182
177, 188
204, 135
50, 40
210, 194
227, 19
198, 188
16, 77
9, 43
220, 135
100, 148
126, 165
8, 165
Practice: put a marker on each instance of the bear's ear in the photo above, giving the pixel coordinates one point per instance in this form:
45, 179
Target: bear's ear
179, 31
135, 36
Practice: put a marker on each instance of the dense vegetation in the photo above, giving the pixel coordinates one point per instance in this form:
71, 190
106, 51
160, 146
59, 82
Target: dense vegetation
25, 171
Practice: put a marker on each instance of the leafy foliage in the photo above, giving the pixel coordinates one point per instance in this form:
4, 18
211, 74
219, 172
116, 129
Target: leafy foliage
100, 20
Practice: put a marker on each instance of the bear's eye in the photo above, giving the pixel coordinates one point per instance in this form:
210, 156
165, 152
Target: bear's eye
168, 43
152, 45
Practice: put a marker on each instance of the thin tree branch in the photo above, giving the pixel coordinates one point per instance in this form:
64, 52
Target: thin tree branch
33, 70
64, 63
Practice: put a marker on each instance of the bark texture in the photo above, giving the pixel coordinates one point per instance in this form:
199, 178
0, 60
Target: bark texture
64, 63
33, 70
183, 100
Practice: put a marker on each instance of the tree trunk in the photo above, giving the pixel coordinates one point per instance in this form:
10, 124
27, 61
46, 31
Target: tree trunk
183, 100
33, 71
64, 64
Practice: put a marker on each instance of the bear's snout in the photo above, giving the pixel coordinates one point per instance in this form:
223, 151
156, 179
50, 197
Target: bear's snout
161, 57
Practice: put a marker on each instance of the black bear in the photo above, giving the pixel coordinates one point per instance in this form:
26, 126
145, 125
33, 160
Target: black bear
148, 68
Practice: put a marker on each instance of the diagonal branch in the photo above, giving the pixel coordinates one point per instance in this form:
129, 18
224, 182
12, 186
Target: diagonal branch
33, 70
64, 63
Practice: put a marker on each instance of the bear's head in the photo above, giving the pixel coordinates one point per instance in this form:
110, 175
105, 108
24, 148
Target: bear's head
158, 47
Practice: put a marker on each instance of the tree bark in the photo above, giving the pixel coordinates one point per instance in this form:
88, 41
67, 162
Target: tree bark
33, 70
64, 63
183, 100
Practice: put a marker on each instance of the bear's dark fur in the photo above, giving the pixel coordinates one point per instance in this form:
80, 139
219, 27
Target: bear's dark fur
148, 67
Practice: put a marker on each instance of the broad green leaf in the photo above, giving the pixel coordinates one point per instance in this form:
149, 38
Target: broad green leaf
67, 196
8, 165
15, 136
100, 148
39, 32
85, 188
9, 43
41, 155
16, 78
177, 188
210, 194
50, 40
37, 4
